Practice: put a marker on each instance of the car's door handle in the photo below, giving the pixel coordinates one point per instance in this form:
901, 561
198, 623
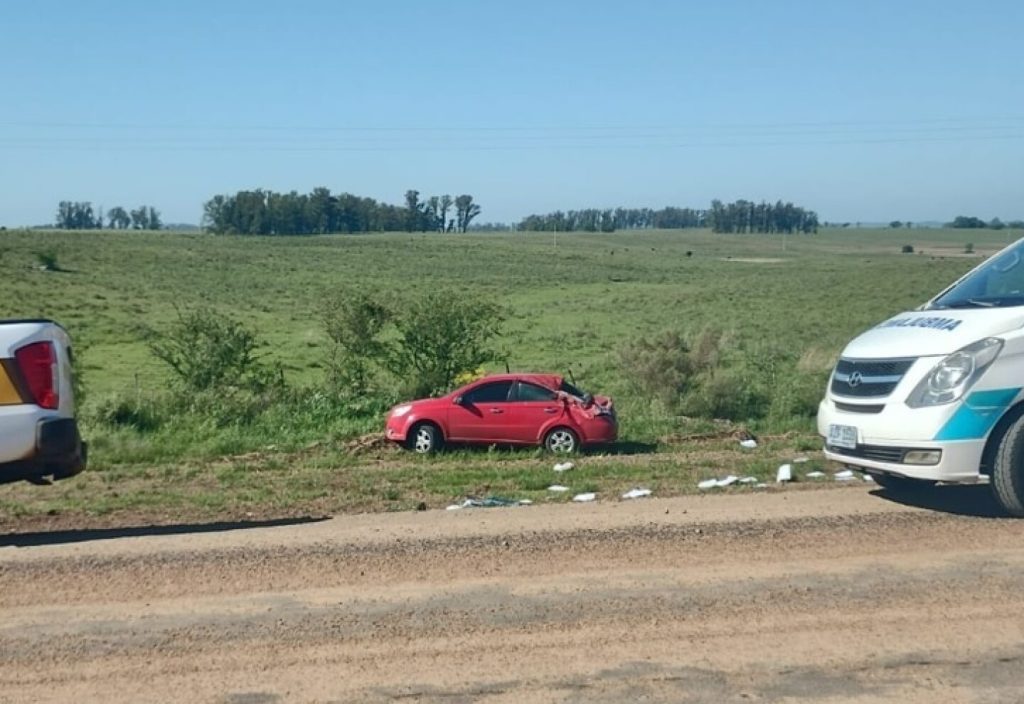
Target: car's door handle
497, 410
551, 410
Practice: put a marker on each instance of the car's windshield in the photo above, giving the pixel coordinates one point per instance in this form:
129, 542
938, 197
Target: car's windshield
573, 391
998, 283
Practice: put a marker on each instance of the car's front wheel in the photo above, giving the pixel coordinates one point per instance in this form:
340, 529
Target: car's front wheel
1008, 469
561, 441
424, 439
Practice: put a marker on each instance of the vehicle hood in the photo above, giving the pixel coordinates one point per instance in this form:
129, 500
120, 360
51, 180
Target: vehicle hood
932, 332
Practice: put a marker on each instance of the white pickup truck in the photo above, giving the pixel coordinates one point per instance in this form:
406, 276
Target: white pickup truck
38, 433
937, 394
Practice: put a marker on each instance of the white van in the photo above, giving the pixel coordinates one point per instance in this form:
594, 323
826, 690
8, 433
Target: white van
935, 394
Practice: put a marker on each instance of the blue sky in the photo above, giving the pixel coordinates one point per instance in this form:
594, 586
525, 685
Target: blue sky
861, 110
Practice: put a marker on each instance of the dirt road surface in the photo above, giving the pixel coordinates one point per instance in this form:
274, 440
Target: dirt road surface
834, 595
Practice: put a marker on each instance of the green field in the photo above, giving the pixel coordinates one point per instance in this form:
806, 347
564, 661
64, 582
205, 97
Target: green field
786, 307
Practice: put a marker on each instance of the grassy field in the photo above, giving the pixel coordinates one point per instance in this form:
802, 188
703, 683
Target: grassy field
573, 303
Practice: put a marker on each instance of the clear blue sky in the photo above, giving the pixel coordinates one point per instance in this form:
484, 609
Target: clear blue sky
864, 110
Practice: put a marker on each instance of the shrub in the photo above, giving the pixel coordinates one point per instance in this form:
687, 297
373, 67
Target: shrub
907, 249
969, 248
47, 259
354, 322
667, 366
207, 350
441, 335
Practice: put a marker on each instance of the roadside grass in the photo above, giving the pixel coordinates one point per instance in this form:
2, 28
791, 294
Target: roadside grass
788, 305
323, 481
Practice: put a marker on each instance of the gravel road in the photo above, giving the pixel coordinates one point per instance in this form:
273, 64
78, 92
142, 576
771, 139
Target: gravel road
839, 595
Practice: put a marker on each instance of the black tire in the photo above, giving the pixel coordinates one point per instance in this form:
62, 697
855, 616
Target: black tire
901, 485
1008, 469
561, 441
424, 439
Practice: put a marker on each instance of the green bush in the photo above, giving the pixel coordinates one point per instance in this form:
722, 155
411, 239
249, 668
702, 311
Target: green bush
207, 350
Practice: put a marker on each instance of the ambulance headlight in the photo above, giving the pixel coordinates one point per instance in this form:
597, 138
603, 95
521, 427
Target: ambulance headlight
951, 377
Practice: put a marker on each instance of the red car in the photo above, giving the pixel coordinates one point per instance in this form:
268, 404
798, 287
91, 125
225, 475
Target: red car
507, 409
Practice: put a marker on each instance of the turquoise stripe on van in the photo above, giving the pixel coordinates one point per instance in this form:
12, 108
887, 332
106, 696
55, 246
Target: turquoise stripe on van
977, 414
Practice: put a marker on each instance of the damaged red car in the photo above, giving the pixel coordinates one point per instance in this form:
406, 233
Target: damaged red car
507, 409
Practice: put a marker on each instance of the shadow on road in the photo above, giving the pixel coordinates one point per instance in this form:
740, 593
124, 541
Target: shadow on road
23, 540
975, 500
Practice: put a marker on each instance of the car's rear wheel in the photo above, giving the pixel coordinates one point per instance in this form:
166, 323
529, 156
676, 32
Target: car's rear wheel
561, 441
424, 439
901, 485
1008, 469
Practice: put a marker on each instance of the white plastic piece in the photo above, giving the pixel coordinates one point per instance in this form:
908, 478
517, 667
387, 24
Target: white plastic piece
584, 498
707, 484
453, 507
749, 443
800, 460
727, 481
636, 493
748, 480
815, 475
762, 485
564, 466
845, 475
525, 502
868, 478
784, 474
558, 487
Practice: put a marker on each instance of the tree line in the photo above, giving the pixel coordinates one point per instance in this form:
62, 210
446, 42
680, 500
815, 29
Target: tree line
739, 216
967, 222
261, 212
80, 215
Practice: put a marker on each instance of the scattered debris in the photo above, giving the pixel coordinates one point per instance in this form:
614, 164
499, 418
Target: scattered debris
748, 480
800, 460
845, 475
749, 443
761, 485
489, 502
374, 442
868, 478
707, 484
727, 481
558, 487
563, 466
784, 474
814, 475
584, 498
636, 493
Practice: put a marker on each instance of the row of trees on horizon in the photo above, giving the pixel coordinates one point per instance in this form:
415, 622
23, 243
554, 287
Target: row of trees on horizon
80, 215
740, 216
261, 212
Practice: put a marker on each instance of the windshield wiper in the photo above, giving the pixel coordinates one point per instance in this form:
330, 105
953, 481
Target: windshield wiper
971, 303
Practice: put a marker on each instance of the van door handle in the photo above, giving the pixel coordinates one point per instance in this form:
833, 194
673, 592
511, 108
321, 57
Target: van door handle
497, 410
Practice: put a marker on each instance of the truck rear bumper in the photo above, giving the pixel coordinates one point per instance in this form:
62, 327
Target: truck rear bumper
58, 451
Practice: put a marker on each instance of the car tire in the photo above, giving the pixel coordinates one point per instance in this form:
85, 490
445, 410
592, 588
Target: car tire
562, 441
901, 485
1008, 469
424, 439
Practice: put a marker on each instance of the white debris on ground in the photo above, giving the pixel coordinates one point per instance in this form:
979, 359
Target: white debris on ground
749, 443
727, 481
845, 475
558, 488
800, 460
748, 480
868, 478
584, 498
563, 466
489, 502
724, 482
637, 493
707, 484
814, 475
784, 474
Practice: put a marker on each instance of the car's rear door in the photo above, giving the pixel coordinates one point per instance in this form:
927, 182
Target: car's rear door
533, 406
482, 414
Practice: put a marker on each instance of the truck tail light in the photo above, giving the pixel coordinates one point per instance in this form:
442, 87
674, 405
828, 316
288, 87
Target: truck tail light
38, 365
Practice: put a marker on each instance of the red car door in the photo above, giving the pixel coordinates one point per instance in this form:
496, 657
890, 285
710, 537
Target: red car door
481, 414
532, 408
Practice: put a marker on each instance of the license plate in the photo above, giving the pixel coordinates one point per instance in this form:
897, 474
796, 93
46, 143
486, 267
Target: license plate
842, 436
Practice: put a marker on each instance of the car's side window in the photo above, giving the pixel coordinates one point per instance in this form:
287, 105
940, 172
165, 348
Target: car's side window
489, 393
532, 392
